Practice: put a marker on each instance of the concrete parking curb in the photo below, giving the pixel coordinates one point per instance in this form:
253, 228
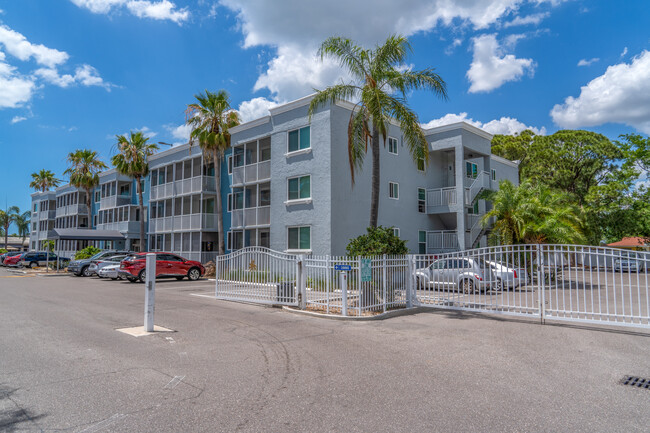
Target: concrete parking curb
381, 316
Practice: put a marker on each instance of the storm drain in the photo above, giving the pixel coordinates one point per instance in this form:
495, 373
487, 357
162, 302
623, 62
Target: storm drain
637, 382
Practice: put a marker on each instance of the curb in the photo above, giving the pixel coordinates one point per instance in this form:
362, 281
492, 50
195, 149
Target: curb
382, 316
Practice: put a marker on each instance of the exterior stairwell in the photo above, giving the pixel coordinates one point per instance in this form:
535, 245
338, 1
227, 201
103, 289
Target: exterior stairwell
481, 183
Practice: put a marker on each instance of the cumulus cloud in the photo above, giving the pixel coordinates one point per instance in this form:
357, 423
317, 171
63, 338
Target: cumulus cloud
84, 75
18, 46
620, 95
491, 67
180, 133
157, 10
15, 89
585, 62
17, 119
503, 126
255, 108
529, 19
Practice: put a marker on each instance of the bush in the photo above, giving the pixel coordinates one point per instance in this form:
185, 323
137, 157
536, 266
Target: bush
378, 241
86, 253
2, 251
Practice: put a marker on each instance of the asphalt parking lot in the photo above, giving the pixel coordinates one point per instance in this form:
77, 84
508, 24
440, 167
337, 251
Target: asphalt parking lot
238, 367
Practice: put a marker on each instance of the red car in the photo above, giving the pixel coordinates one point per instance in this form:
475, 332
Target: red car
14, 260
167, 265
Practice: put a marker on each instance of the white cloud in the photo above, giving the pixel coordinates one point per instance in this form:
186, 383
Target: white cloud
584, 62
529, 19
17, 119
254, 109
85, 75
491, 68
504, 125
158, 10
15, 90
620, 95
18, 46
624, 52
146, 132
181, 133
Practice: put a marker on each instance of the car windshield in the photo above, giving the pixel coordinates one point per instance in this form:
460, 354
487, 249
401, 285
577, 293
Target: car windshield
96, 256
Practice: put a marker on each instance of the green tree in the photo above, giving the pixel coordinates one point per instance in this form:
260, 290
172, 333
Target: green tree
22, 221
84, 170
132, 160
6, 218
210, 117
515, 148
532, 214
44, 180
378, 241
381, 86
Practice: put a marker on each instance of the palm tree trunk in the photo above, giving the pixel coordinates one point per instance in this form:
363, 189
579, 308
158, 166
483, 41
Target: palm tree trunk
90, 209
217, 182
138, 188
374, 200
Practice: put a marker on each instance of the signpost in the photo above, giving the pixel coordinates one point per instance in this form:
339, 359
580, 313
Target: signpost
150, 291
366, 270
342, 267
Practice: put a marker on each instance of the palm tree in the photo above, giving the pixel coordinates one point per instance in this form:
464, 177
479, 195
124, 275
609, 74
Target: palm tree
43, 181
22, 221
84, 173
210, 118
380, 85
6, 218
132, 161
527, 214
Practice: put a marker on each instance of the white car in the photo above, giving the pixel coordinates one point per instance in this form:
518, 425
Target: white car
508, 277
110, 271
465, 274
97, 265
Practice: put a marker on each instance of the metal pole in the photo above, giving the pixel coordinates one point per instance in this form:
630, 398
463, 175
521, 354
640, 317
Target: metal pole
540, 283
301, 282
409, 282
344, 292
149, 297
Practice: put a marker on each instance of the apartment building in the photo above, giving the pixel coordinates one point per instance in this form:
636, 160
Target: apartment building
43, 218
286, 185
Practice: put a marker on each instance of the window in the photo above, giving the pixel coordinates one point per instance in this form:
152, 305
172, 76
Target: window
471, 170
299, 139
299, 238
392, 145
230, 165
474, 209
142, 186
393, 190
125, 190
35, 207
493, 174
265, 149
395, 232
97, 196
299, 188
421, 165
422, 200
238, 157
422, 242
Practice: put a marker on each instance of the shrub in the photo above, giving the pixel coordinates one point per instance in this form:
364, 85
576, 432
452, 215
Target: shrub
378, 241
2, 251
86, 253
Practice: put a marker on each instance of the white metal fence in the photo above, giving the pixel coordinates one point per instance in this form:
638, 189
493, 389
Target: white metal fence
556, 282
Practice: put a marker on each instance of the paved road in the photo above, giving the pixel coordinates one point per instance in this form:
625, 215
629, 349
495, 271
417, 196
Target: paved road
236, 367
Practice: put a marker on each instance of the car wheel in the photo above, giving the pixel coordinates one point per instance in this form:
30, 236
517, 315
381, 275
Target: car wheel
142, 276
85, 271
33, 265
193, 274
499, 286
132, 280
179, 278
467, 286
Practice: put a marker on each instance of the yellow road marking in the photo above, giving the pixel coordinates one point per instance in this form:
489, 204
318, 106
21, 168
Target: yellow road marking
15, 276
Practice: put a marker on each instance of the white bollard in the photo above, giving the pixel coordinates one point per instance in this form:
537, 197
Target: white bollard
344, 292
150, 291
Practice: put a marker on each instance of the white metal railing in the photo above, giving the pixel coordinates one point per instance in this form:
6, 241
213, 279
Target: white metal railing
72, 209
442, 240
123, 226
251, 173
440, 197
254, 216
481, 182
473, 227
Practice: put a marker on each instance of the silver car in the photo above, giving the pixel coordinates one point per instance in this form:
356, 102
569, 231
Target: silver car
96, 265
509, 277
465, 274
629, 263
110, 271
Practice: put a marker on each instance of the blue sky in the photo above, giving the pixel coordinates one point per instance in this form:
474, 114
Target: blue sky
73, 73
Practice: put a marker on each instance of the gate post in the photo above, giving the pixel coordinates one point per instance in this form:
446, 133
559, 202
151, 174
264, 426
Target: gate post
409, 281
540, 284
216, 276
301, 283
150, 291
344, 293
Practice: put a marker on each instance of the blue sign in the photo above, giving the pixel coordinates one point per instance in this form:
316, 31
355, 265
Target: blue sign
342, 267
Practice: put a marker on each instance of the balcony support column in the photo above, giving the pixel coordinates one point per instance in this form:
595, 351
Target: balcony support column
460, 195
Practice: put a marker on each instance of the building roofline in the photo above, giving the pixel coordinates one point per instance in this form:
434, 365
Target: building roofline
250, 124
169, 151
503, 160
458, 125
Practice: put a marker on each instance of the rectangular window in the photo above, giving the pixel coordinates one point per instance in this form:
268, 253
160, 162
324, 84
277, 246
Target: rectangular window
493, 174
471, 170
422, 200
238, 157
230, 165
125, 190
396, 232
142, 186
393, 190
422, 242
97, 196
299, 238
265, 149
299, 188
299, 139
392, 145
421, 165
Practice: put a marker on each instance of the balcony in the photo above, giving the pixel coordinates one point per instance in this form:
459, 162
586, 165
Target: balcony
122, 226
440, 241
183, 222
114, 201
252, 173
441, 200
73, 209
46, 215
251, 217
192, 185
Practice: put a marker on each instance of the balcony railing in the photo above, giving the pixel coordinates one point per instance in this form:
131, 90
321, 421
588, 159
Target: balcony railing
122, 226
481, 182
440, 200
251, 217
442, 240
186, 186
251, 173
114, 201
183, 222
73, 209
47, 214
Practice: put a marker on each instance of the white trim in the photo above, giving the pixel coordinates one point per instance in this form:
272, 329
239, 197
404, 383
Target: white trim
295, 200
295, 152
298, 152
425, 199
505, 161
305, 100
396, 229
298, 249
459, 125
298, 201
493, 174
390, 190
396, 146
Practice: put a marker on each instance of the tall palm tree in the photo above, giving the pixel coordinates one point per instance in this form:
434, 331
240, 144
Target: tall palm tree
84, 170
6, 218
381, 85
210, 117
44, 180
132, 161
22, 221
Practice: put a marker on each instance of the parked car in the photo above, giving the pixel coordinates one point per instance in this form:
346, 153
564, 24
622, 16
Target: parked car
465, 274
33, 259
630, 262
7, 255
110, 271
81, 267
13, 260
167, 265
509, 277
96, 265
